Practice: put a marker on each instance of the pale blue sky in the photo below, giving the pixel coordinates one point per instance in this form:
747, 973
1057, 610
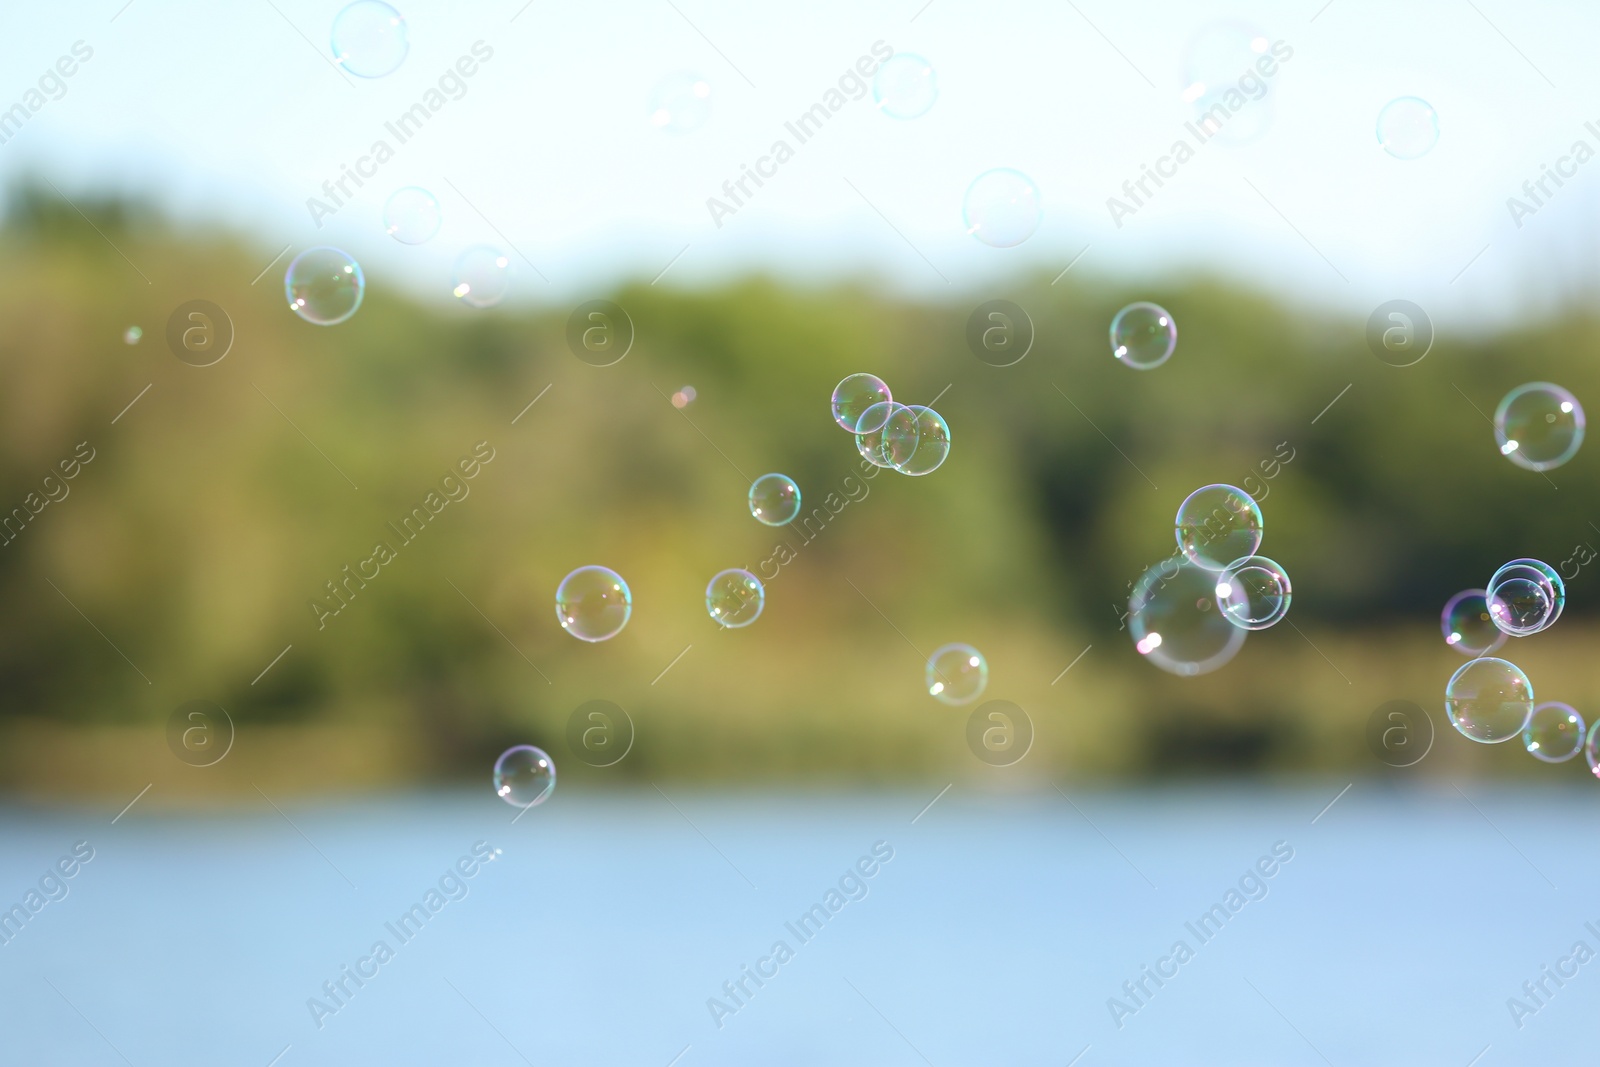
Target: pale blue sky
224, 112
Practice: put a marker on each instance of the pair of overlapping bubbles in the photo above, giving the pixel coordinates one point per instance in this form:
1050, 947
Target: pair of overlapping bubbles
1524, 597
1189, 614
909, 438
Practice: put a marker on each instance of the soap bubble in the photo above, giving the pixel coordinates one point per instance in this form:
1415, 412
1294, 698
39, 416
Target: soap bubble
593, 603
894, 442
370, 39
524, 776
1525, 596
1143, 336
1253, 592
734, 598
905, 86
774, 499
932, 445
853, 396
956, 674
1216, 61
1217, 524
411, 215
324, 286
1467, 625
1002, 207
1591, 748
482, 276
1408, 127
681, 103
1489, 700
1554, 732
1174, 620
131, 335
1539, 426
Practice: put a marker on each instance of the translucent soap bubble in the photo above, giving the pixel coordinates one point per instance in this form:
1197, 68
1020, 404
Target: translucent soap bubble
1254, 592
1539, 426
411, 215
1408, 127
1002, 207
1525, 596
774, 499
131, 335
482, 276
894, 442
1467, 625
1591, 748
853, 396
680, 103
1489, 700
1554, 732
1174, 620
1217, 524
734, 598
593, 603
956, 674
1143, 335
324, 286
524, 776
905, 87
1216, 61
933, 442
370, 39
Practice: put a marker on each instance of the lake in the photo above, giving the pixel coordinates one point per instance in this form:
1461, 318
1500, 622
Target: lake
643, 928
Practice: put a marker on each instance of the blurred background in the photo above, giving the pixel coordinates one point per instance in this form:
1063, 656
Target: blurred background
178, 163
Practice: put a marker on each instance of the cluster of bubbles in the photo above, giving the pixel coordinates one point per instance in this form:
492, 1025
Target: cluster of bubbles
913, 439
1491, 700
1189, 614
1539, 426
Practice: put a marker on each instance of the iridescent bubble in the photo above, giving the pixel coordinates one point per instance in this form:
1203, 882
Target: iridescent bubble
370, 39
411, 215
131, 335
1174, 620
1143, 336
734, 598
681, 103
324, 286
1408, 127
1539, 426
1254, 592
853, 396
1489, 700
593, 603
1217, 524
956, 674
905, 86
894, 442
1002, 207
482, 276
1228, 77
524, 776
1591, 748
1554, 732
774, 499
1525, 596
932, 445
1467, 625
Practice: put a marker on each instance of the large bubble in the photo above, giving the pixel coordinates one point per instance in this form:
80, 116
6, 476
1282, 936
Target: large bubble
1175, 622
